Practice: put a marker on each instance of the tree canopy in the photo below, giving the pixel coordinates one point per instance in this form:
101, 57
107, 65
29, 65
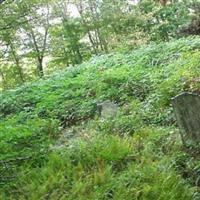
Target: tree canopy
38, 36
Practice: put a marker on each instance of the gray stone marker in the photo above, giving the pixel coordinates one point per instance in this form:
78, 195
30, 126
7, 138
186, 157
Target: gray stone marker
108, 109
187, 111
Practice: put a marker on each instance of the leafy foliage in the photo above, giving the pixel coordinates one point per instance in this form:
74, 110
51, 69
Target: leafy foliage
40, 36
53, 139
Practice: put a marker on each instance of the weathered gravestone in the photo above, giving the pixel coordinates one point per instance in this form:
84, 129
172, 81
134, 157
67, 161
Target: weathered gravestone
187, 111
107, 109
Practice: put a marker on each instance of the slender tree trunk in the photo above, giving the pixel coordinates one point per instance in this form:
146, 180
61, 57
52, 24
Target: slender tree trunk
78, 56
96, 21
85, 24
20, 71
102, 41
94, 46
92, 41
40, 67
40, 51
17, 62
3, 80
66, 57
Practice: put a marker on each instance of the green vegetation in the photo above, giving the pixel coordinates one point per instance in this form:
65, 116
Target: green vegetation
41, 36
55, 146
59, 61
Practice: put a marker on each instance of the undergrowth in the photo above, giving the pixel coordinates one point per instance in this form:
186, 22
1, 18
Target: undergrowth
136, 155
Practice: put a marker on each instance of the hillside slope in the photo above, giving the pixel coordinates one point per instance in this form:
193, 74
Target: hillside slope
54, 142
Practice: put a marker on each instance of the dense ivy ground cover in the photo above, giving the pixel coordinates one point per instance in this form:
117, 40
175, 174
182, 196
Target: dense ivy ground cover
137, 155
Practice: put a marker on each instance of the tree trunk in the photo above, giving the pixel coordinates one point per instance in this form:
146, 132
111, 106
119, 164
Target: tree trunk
20, 71
78, 56
85, 24
102, 41
40, 67
3, 80
96, 22
16, 59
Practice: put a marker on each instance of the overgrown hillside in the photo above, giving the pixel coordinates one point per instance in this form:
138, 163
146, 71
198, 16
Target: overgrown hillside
54, 145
